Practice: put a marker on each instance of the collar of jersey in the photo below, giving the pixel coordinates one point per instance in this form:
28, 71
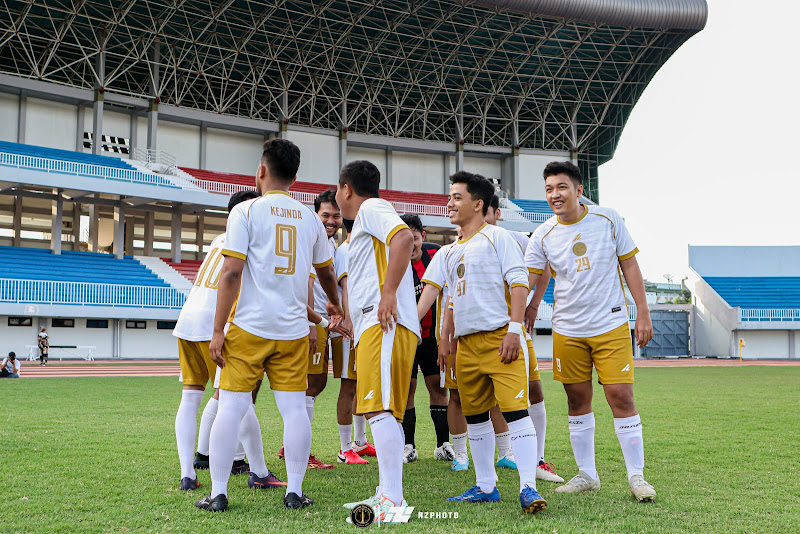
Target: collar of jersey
462, 241
276, 192
585, 213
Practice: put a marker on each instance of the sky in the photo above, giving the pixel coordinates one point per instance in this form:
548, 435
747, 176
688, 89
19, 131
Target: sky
708, 154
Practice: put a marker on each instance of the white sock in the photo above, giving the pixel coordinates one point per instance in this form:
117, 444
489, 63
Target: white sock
581, 435
459, 443
250, 439
206, 421
539, 417
388, 437
296, 438
481, 444
359, 429
503, 442
345, 431
232, 407
240, 452
523, 442
310, 409
186, 430
629, 434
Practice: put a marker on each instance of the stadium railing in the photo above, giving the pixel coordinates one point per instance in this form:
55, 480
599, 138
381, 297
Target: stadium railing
93, 171
787, 314
89, 294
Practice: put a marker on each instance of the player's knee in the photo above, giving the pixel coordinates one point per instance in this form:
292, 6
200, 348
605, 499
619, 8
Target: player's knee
516, 415
316, 384
455, 398
578, 403
477, 419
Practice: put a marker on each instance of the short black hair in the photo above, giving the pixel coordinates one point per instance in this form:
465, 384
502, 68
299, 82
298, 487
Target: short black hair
495, 202
564, 167
363, 177
282, 158
329, 195
479, 187
348, 224
413, 222
12, 355
239, 197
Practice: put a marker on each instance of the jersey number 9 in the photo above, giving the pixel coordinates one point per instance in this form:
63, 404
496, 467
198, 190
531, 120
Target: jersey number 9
286, 247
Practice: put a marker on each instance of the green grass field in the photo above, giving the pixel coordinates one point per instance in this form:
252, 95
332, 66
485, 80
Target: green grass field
98, 454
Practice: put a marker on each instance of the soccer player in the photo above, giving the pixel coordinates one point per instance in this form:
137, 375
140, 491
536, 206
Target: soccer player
537, 411
271, 244
587, 247
352, 428
380, 291
488, 288
194, 329
426, 358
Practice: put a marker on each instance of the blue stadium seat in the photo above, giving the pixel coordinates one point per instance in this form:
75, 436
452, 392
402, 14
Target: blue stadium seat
533, 206
758, 292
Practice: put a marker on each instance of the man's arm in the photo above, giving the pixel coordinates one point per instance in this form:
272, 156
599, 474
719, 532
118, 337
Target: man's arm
510, 346
327, 278
448, 328
400, 250
230, 279
426, 299
347, 324
539, 282
633, 277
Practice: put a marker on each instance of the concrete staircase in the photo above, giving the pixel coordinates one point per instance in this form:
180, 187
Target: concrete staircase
165, 272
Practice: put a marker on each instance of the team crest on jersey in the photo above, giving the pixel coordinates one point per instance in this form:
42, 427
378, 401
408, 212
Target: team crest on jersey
579, 249
461, 270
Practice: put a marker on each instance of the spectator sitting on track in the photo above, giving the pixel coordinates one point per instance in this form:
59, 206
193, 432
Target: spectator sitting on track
10, 366
44, 347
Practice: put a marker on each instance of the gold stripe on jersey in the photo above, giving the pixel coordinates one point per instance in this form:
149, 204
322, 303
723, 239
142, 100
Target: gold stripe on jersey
462, 241
323, 264
341, 276
379, 250
434, 284
438, 316
579, 219
313, 275
629, 255
535, 271
393, 232
520, 285
226, 252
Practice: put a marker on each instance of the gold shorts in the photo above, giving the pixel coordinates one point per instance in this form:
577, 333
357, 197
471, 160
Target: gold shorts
450, 380
197, 367
368, 361
533, 363
483, 380
340, 370
247, 356
610, 353
318, 360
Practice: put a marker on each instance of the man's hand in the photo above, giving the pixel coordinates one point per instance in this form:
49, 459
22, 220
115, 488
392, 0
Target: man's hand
343, 330
530, 317
643, 330
509, 348
312, 338
215, 348
387, 311
336, 316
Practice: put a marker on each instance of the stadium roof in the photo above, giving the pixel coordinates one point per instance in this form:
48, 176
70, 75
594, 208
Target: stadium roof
541, 74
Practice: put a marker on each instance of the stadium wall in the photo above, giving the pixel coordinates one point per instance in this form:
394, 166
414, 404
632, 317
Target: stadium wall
772, 344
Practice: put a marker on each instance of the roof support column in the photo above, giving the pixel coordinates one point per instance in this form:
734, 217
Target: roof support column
97, 116
22, 117
17, 224
119, 229
130, 229
149, 232
199, 236
460, 140
513, 180
57, 222
792, 345
203, 144
76, 225
132, 143
573, 152
94, 227
283, 132
152, 111
177, 217
446, 173
343, 135
388, 168
81, 128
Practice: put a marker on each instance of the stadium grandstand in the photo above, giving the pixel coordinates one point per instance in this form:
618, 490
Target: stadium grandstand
750, 294
126, 126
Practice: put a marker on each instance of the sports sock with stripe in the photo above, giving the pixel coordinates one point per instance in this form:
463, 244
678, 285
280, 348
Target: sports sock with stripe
359, 429
250, 438
459, 443
481, 444
503, 441
186, 430
206, 422
233, 406
538, 415
629, 434
439, 416
345, 431
296, 437
523, 442
581, 436
388, 438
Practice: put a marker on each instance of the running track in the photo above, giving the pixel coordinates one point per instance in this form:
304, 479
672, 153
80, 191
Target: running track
72, 368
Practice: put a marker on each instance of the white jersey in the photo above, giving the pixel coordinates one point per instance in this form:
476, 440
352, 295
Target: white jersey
340, 261
480, 272
521, 239
280, 240
368, 257
584, 257
435, 276
196, 321
320, 298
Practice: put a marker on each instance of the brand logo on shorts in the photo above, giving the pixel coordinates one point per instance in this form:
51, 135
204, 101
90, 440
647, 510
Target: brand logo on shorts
370, 394
626, 368
537, 367
367, 309
520, 394
615, 309
558, 364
